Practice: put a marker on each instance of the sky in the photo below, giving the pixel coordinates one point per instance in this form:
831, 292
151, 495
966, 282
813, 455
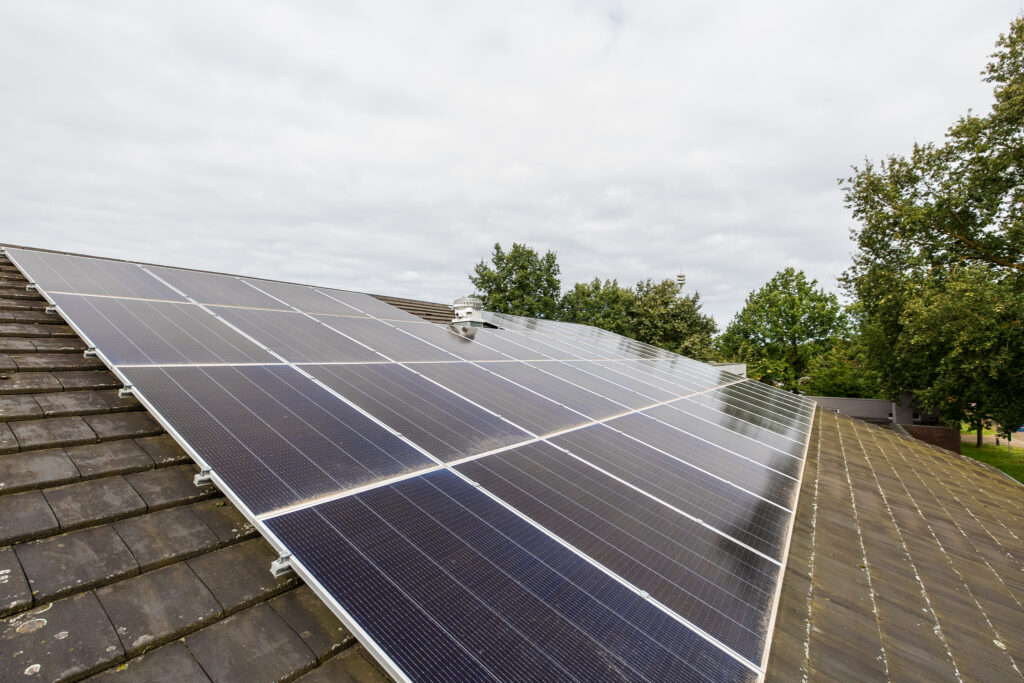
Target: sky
386, 147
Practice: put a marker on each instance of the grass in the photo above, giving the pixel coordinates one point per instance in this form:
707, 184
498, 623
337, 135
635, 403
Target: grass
1012, 463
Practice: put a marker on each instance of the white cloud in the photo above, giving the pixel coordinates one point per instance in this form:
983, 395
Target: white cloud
385, 147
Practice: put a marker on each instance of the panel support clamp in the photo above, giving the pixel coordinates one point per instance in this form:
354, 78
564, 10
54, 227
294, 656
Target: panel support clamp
282, 565
90, 352
51, 309
31, 287
203, 478
125, 391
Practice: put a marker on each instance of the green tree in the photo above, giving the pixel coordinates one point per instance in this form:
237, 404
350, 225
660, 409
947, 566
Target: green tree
602, 304
519, 282
782, 326
839, 371
963, 347
962, 201
655, 312
940, 254
664, 317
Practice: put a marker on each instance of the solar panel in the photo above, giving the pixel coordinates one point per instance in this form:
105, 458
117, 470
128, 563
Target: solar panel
297, 337
52, 272
368, 304
438, 420
718, 585
135, 331
606, 510
274, 436
214, 288
454, 586
303, 297
531, 411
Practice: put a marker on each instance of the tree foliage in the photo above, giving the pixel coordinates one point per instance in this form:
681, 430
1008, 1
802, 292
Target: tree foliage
654, 312
963, 347
939, 266
782, 326
602, 304
519, 282
662, 316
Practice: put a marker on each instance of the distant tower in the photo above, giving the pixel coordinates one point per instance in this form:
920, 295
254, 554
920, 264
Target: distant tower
681, 280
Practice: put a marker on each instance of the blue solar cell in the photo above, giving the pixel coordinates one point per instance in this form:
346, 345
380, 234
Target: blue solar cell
274, 436
721, 587
455, 587
736, 514
296, 337
215, 288
435, 419
135, 331
82, 275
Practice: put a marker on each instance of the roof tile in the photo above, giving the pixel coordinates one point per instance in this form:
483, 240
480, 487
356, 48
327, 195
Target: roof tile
351, 666
158, 606
166, 536
94, 502
87, 379
313, 621
55, 361
25, 515
62, 403
19, 407
15, 594
172, 662
8, 443
131, 425
224, 519
53, 431
68, 639
29, 383
169, 486
36, 469
109, 457
72, 562
254, 645
239, 575
163, 449
16, 345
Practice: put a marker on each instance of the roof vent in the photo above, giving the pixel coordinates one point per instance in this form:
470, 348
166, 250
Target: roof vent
468, 312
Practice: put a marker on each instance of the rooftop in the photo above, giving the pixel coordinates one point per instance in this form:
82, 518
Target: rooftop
904, 561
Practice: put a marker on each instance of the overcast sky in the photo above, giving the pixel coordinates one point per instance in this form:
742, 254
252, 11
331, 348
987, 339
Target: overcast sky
386, 146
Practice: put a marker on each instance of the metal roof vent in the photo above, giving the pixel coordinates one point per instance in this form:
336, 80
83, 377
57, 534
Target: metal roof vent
468, 312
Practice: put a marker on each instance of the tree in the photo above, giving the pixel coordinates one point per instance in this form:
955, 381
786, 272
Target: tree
839, 371
662, 316
940, 256
654, 312
605, 305
782, 326
963, 347
962, 201
519, 282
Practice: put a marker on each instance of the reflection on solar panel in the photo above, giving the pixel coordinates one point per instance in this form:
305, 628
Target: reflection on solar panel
542, 501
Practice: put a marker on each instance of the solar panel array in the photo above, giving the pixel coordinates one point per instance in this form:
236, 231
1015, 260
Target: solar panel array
542, 500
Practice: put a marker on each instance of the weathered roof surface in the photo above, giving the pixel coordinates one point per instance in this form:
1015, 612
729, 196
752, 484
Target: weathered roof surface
112, 562
431, 312
906, 563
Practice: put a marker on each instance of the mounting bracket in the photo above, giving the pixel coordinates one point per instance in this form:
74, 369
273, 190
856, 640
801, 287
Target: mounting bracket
125, 391
90, 352
32, 287
51, 309
282, 565
203, 478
